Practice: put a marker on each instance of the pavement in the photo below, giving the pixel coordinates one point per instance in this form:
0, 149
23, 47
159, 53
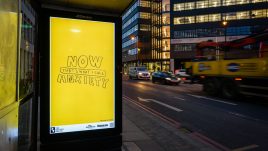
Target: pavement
147, 132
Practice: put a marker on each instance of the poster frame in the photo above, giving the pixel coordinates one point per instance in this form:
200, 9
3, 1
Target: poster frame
44, 45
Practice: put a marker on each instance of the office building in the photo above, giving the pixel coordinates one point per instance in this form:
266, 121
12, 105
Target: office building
142, 35
194, 21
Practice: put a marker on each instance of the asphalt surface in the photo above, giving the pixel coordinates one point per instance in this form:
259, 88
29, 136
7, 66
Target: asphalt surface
226, 124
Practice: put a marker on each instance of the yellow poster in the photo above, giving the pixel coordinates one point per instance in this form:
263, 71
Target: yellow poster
8, 57
81, 75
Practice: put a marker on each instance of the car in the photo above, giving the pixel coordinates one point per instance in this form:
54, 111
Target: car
181, 73
139, 73
165, 78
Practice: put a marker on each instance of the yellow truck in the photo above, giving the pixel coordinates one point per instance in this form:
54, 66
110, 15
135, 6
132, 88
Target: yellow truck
232, 68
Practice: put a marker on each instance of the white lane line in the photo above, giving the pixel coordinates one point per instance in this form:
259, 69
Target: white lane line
246, 147
160, 103
211, 99
179, 98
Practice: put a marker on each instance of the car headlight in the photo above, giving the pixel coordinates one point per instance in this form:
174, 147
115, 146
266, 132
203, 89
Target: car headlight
140, 73
168, 78
179, 79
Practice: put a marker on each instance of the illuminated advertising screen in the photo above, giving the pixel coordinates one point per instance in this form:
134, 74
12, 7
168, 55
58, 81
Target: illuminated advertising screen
82, 66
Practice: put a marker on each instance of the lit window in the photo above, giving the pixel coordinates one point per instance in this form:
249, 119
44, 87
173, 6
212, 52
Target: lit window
228, 2
257, 1
178, 20
144, 27
166, 31
214, 17
202, 18
242, 15
179, 7
229, 16
202, 4
166, 55
242, 2
144, 15
258, 13
189, 6
214, 3
166, 7
166, 19
166, 45
144, 3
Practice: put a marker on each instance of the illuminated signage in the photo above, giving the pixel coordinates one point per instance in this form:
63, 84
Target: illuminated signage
8, 56
82, 85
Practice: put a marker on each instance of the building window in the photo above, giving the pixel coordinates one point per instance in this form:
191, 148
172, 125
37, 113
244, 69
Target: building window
166, 31
211, 3
184, 47
166, 45
189, 6
134, 6
144, 3
257, 1
242, 15
130, 42
132, 51
201, 18
202, 4
228, 2
214, 3
165, 55
229, 16
166, 8
258, 13
214, 17
238, 2
189, 20
130, 31
178, 7
166, 19
144, 27
132, 19
184, 20
144, 15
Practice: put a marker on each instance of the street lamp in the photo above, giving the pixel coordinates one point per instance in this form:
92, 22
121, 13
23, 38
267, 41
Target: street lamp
224, 23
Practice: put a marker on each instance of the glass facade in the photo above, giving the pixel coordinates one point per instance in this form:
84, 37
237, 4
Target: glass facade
130, 31
201, 4
224, 16
184, 47
130, 42
213, 32
131, 20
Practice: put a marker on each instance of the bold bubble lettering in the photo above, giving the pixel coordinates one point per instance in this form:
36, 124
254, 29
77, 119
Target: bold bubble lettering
95, 61
72, 61
82, 61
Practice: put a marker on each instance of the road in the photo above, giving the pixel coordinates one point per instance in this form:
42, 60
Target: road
224, 124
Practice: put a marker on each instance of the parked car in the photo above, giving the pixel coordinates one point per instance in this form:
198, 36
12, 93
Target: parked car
165, 78
139, 73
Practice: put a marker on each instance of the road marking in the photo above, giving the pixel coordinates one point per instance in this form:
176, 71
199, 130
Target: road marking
179, 98
246, 147
211, 99
160, 103
153, 112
